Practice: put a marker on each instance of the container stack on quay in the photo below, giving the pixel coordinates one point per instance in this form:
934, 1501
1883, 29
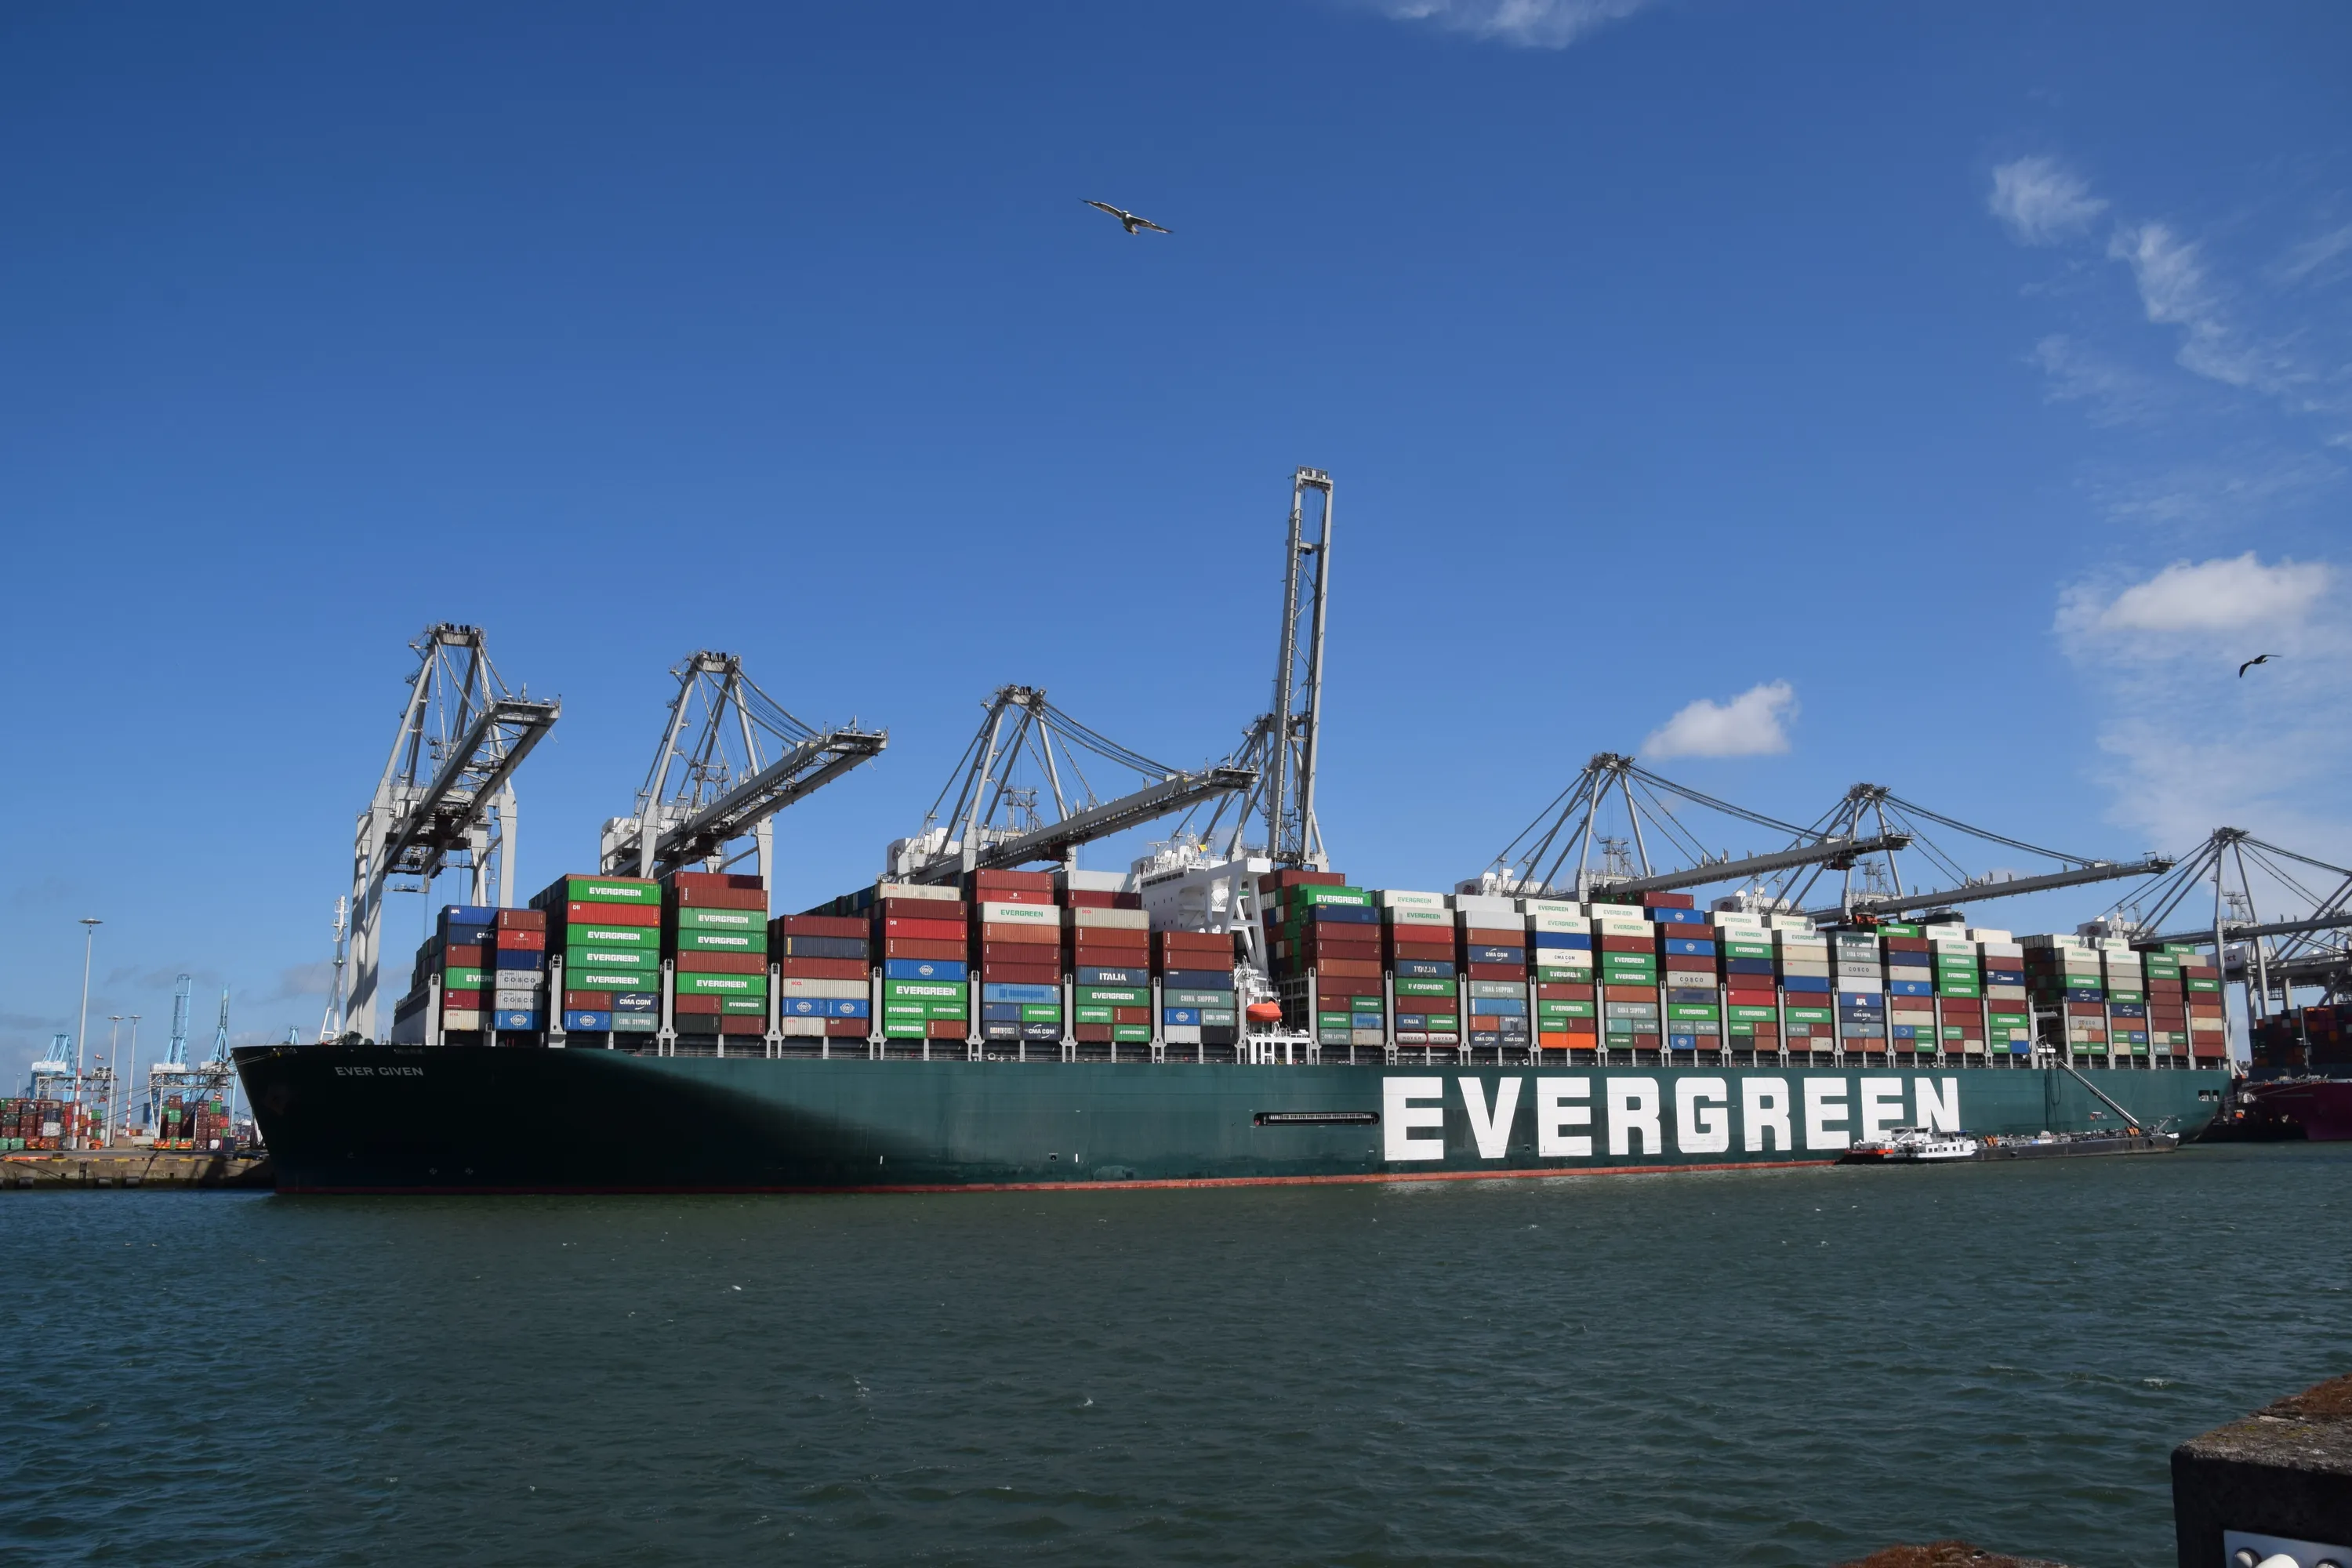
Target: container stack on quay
1491, 946
1417, 940
821, 969
2298, 1038
33, 1124
715, 936
607, 933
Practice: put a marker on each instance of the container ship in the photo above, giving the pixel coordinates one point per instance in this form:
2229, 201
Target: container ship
1026, 1029
1228, 1010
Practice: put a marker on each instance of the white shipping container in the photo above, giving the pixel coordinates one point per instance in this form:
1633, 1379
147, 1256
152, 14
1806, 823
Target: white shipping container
849, 990
1020, 914
1401, 899
1443, 919
917, 890
1568, 924
1552, 906
1103, 920
1622, 928
1479, 904
800, 1027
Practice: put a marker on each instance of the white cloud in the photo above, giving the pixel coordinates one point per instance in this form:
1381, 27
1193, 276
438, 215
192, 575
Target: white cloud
1747, 726
2042, 202
2174, 293
2239, 594
2113, 395
1532, 24
2313, 255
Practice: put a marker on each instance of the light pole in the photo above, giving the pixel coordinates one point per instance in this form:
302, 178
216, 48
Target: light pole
113, 1078
89, 924
130, 1088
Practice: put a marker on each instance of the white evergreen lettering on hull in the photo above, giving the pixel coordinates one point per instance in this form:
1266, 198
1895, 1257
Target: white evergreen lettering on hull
1815, 1115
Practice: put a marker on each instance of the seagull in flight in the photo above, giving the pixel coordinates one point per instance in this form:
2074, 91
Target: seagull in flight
1133, 222
2250, 664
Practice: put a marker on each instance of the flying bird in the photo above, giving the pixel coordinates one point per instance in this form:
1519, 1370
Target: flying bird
2263, 658
1131, 222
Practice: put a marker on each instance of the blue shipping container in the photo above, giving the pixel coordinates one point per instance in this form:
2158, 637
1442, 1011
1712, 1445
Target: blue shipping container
587, 1020
1563, 939
1677, 918
1424, 969
1495, 955
1690, 947
1000, 1011
1120, 977
1180, 1015
1199, 980
921, 969
1804, 982
999, 991
507, 957
514, 1020
1910, 989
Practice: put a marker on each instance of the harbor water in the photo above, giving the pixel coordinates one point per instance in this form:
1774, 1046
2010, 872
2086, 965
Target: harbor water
1764, 1367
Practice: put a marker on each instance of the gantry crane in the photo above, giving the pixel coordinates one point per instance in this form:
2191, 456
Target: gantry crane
731, 757
447, 797
1552, 857
171, 1075
2270, 957
1868, 805
998, 819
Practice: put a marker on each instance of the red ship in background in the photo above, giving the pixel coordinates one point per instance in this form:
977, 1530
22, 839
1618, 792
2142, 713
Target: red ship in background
2301, 1082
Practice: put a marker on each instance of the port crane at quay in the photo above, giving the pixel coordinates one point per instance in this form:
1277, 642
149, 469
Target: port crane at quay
447, 795
730, 758
2271, 958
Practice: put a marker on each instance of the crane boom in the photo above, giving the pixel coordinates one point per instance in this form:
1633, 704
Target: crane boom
2244, 933
1972, 892
711, 783
1829, 849
1054, 842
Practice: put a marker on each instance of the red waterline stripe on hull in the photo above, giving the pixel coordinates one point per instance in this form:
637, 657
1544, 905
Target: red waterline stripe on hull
1155, 1181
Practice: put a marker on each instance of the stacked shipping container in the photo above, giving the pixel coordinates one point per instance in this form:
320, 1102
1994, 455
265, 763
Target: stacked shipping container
1423, 979
1017, 930
608, 932
715, 934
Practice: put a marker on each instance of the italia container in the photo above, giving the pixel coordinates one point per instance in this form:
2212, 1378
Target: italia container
604, 945
1424, 968
1107, 957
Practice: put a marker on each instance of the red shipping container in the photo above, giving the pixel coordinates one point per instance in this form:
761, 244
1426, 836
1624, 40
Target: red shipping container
1628, 944
1494, 972
1091, 1033
821, 925
741, 1023
1687, 961
1348, 969
613, 915
1752, 999
924, 930
1030, 881
2085, 1009
697, 1005
1958, 1007
714, 882
723, 963
468, 955
1130, 1015
1141, 952
823, 968
521, 940
1907, 945
1669, 901
1495, 936
1025, 936
848, 1028
587, 1001
1086, 898
953, 951
922, 910
1428, 952
1021, 974
1629, 993
522, 920
461, 1001
722, 899
948, 1029
1023, 953
1553, 992
1010, 896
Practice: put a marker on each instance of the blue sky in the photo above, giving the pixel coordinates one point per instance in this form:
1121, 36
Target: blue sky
1948, 395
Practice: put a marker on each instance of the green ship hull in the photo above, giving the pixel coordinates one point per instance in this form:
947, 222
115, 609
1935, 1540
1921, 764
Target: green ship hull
395, 1119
